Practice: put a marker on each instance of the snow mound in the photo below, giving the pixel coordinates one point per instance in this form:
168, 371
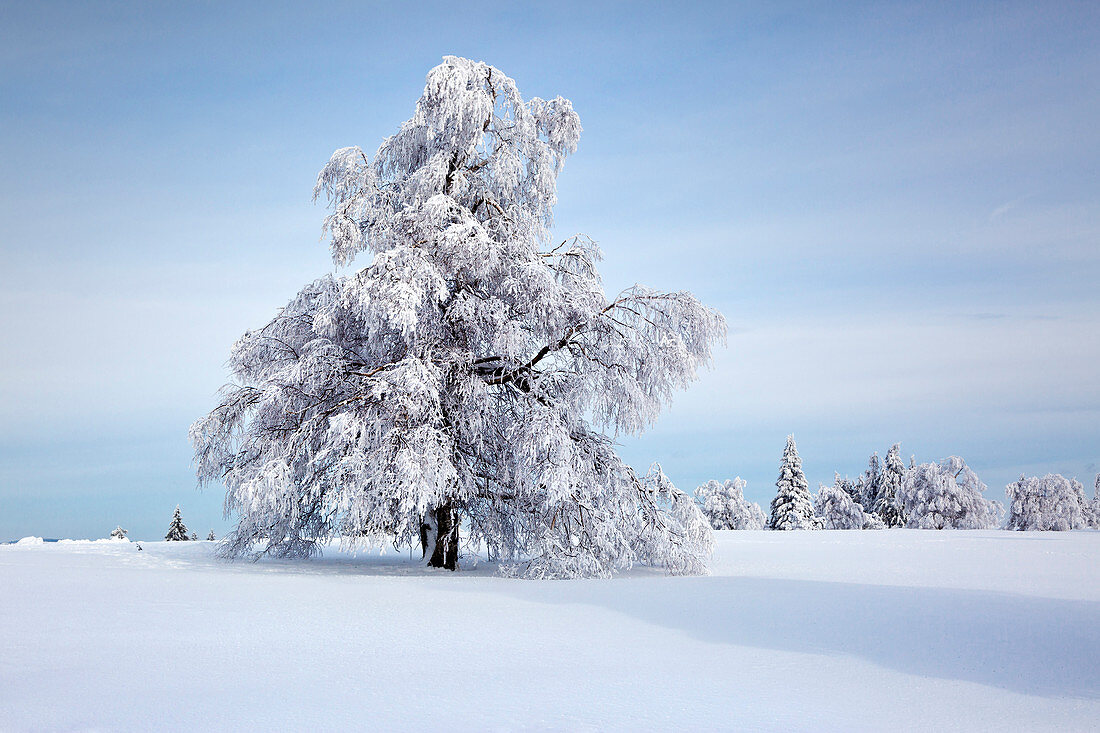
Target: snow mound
30, 541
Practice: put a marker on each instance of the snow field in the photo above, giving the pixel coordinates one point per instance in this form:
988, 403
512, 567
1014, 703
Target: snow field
898, 629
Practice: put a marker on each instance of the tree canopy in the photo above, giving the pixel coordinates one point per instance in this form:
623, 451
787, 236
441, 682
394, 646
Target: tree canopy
472, 374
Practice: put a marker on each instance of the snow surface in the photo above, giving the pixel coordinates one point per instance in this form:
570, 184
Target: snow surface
897, 629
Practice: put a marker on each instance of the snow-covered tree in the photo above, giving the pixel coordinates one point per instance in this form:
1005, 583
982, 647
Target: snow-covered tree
210, 537
194, 537
886, 504
1096, 502
836, 508
793, 506
726, 507
870, 483
469, 374
1087, 506
853, 488
177, 531
946, 495
118, 533
1051, 502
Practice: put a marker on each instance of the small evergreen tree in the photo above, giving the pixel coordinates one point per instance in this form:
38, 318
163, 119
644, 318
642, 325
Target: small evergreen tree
870, 483
194, 536
210, 537
793, 506
118, 533
177, 531
725, 506
886, 501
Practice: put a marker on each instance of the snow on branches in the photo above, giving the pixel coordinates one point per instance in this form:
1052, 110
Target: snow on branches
177, 530
946, 495
1051, 502
886, 503
1096, 501
726, 507
836, 508
468, 374
870, 483
792, 507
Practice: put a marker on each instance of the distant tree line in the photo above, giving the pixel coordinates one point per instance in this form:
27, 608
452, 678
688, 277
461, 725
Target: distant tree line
945, 494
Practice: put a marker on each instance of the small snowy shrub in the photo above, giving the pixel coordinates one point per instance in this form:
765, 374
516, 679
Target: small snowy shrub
1050, 502
725, 506
946, 495
118, 533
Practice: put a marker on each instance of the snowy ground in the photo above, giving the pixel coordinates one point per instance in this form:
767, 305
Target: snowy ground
879, 630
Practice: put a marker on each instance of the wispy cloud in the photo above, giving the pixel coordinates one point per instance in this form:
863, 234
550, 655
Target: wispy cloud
1008, 206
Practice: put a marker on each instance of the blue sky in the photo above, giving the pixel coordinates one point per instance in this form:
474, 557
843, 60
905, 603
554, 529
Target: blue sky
896, 207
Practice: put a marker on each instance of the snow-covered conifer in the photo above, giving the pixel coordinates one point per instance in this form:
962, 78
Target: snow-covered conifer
852, 488
1096, 503
886, 504
793, 506
836, 509
946, 495
194, 537
118, 533
210, 537
468, 375
1051, 502
177, 531
726, 507
870, 483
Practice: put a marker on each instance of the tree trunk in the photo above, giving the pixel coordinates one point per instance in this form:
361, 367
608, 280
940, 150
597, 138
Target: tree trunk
439, 536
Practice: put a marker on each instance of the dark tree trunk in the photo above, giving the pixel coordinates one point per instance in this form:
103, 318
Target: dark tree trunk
439, 536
